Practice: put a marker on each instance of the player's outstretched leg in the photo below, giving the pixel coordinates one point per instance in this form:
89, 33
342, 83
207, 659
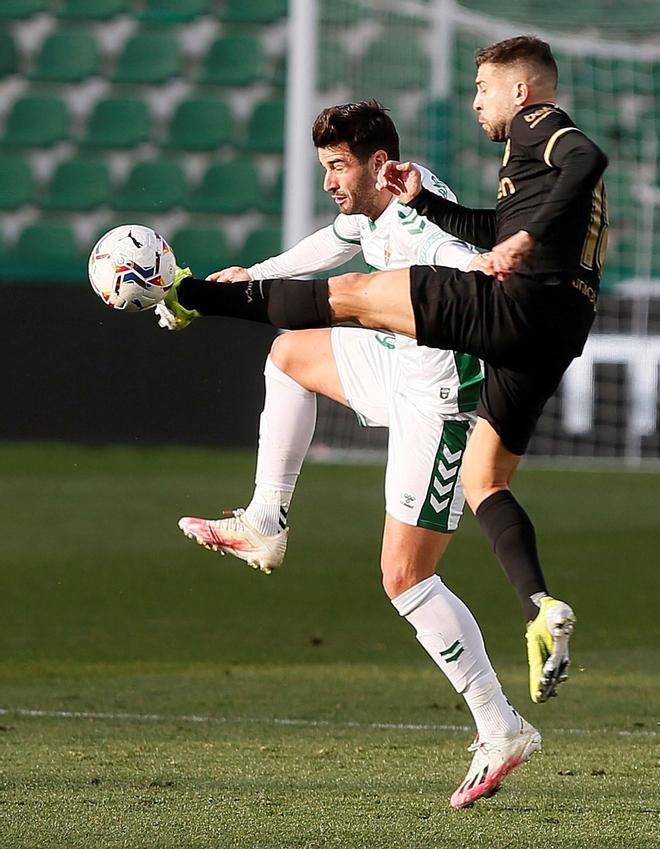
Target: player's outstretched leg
493, 760
547, 648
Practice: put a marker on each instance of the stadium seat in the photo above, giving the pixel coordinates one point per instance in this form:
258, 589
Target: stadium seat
262, 243
94, 10
8, 55
254, 11
18, 9
173, 11
265, 132
156, 185
233, 61
66, 56
16, 182
346, 12
45, 250
118, 122
78, 185
204, 249
149, 58
37, 121
272, 200
227, 187
200, 124
397, 63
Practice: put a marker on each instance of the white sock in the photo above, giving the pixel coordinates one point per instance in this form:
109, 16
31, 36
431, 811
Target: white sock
286, 428
450, 634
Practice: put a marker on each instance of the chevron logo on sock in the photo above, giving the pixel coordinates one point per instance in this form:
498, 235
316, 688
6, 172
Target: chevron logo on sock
452, 654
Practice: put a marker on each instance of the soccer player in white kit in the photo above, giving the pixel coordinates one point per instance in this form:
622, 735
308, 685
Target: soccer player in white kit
425, 397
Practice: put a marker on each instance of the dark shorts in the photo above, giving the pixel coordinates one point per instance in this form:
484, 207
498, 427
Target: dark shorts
527, 332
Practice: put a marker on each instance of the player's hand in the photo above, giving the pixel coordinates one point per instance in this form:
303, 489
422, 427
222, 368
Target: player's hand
233, 274
506, 257
400, 178
481, 262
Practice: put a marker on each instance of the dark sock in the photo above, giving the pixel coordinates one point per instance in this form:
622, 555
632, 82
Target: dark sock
289, 304
513, 539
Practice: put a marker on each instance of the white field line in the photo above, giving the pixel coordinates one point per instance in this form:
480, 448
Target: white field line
294, 723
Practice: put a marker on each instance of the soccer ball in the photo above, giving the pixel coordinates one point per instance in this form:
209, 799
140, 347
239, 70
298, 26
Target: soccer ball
131, 268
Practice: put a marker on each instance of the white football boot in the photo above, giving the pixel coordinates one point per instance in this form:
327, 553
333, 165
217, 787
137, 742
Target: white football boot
235, 535
493, 760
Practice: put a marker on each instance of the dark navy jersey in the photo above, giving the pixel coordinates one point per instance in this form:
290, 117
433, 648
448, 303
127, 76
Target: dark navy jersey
550, 184
544, 190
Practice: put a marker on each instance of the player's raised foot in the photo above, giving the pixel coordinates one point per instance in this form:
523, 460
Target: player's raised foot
493, 760
235, 535
171, 315
547, 648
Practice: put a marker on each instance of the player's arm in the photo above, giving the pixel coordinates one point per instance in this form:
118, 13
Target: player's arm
580, 163
475, 226
321, 251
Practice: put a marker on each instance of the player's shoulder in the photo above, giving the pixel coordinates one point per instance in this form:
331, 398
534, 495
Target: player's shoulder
538, 122
434, 184
349, 228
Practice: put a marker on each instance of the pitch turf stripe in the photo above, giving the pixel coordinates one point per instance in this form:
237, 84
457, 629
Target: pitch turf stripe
295, 723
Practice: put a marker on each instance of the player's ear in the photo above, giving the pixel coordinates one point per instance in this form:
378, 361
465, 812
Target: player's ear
378, 159
521, 92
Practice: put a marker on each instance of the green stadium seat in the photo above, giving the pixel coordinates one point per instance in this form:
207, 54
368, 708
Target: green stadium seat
346, 12
200, 124
118, 122
227, 187
149, 58
78, 185
265, 132
272, 200
16, 181
94, 10
37, 121
19, 9
204, 249
254, 11
156, 185
45, 250
233, 61
8, 55
173, 11
66, 56
332, 63
262, 243
395, 63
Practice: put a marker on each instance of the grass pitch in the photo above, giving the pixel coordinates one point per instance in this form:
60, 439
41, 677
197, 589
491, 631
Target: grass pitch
157, 695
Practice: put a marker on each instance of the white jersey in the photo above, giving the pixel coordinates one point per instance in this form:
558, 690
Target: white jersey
398, 238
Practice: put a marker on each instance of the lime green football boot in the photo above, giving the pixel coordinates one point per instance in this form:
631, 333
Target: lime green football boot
547, 648
171, 315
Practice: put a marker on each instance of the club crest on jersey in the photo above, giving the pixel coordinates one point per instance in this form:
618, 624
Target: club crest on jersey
444, 392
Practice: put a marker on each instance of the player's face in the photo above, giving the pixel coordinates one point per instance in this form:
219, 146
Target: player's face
497, 99
351, 183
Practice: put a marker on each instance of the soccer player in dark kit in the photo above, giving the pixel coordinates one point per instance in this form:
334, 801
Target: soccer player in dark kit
526, 318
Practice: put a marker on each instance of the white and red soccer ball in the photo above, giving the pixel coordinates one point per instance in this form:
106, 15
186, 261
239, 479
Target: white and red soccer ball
131, 268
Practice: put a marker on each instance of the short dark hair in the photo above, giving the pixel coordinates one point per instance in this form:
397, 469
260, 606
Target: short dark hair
365, 127
526, 49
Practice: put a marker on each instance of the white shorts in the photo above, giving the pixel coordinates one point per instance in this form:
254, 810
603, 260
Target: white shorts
425, 449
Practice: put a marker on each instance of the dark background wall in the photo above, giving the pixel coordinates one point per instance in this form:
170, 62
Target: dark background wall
73, 369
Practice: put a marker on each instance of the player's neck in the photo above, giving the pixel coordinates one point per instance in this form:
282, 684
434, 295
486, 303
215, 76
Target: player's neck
383, 200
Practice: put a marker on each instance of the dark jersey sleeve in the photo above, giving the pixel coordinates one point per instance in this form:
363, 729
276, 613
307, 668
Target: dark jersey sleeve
475, 226
579, 163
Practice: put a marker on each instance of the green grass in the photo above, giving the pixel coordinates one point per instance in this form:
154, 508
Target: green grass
302, 682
